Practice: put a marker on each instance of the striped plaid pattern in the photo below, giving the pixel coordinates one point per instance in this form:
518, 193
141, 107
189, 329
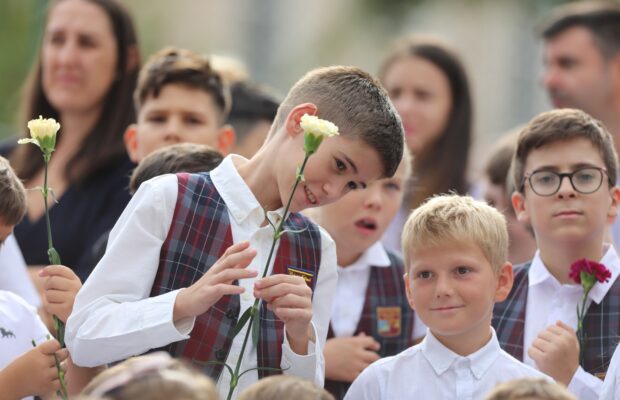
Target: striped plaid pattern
199, 235
385, 289
601, 324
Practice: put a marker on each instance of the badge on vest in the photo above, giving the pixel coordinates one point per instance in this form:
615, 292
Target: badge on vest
307, 275
389, 321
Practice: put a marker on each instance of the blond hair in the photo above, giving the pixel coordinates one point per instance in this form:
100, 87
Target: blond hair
529, 389
153, 376
12, 195
285, 387
452, 217
354, 101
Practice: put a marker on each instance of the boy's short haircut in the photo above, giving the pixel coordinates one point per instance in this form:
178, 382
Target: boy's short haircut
285, 387
562, 125
529, 389
155, 376
450, 218
12, 195
182, 157
498, 166
251, 103
180, 66
354, 101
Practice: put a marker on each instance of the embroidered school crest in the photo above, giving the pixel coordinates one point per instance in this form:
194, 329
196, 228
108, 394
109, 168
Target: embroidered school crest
389, 321
307, 275
6, 333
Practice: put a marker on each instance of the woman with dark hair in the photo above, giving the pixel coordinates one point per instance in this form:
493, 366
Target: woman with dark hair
84, 77
429, 88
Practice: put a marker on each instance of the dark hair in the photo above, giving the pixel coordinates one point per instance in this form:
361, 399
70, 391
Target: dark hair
357, 103
182, 157
104, 145
601, 18
12, 195
562, 125
441, 168
251, 103
180, 66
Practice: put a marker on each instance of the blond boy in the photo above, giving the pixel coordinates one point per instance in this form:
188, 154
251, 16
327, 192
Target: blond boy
455, 251
564, 169
179, 98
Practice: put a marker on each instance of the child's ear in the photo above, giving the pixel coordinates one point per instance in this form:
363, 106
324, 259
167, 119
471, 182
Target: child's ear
226, 139
408, 290
294, 117
612, 213
504, 282
518, 204
131, 142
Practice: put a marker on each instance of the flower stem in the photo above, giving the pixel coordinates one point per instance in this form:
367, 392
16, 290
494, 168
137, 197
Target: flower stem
234, 379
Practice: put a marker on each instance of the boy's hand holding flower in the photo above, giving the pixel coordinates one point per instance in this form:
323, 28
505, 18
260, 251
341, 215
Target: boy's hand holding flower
290, 299
61, 286
556, 352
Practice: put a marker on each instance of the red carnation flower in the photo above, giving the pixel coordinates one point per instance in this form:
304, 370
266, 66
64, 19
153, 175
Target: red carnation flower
593, 270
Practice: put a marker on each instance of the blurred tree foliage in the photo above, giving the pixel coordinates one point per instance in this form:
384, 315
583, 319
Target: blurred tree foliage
21, 22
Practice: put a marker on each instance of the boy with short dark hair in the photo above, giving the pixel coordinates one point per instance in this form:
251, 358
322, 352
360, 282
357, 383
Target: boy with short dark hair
455, 251
182, 261
537, 322
179, 98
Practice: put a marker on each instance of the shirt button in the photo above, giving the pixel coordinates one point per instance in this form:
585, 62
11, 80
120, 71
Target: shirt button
220, 354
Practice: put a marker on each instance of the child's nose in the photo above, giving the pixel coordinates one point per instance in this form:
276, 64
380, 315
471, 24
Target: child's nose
443, 287
566, 187
173, 129
372, 197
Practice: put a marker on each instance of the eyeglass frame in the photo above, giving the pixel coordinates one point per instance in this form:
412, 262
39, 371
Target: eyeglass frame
563, 175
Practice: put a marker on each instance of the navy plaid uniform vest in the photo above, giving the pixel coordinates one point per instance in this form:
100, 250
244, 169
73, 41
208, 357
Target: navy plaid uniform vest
386, 294
601, 324
199, 234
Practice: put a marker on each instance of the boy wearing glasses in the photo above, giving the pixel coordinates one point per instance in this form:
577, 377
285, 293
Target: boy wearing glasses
564, 169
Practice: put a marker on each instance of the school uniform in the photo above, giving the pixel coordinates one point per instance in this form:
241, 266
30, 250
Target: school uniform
20, 325
371, 298
430, 370
538, 300
173, 231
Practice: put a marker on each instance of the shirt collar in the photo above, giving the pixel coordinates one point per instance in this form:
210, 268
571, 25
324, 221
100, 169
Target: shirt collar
374, 256
239, 199
441, 358
539, 273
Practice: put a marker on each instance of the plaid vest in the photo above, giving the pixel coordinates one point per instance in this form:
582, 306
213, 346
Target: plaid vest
386, 315
199, 234
601, 324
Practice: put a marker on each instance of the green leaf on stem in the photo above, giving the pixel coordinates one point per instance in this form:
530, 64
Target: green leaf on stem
53, 256
256, 325
242, 321
263, 369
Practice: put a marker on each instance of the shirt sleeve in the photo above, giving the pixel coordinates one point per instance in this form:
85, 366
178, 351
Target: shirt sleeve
584, 385
312, 365
611, 386
14, 273
114, 316
367, 386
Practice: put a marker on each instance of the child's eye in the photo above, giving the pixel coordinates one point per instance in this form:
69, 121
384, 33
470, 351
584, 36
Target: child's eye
193, 121
351, 185
392, 186
463, 270
340, 166
156, 118
424, 275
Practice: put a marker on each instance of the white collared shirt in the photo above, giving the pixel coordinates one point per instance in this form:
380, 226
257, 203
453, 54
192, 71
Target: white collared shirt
114, 317
549, 301
14, 273
430, 370
611, 386
351, 292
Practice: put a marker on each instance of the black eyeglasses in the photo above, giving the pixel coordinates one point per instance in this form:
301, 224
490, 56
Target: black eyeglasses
547, 183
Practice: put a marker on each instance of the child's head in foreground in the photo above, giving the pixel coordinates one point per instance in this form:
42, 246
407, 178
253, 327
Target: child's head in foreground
179, 98
12, 199
182, 157
529, 389
285, 387
567, 144
369, 146
359, 220
151, 377
455, 250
